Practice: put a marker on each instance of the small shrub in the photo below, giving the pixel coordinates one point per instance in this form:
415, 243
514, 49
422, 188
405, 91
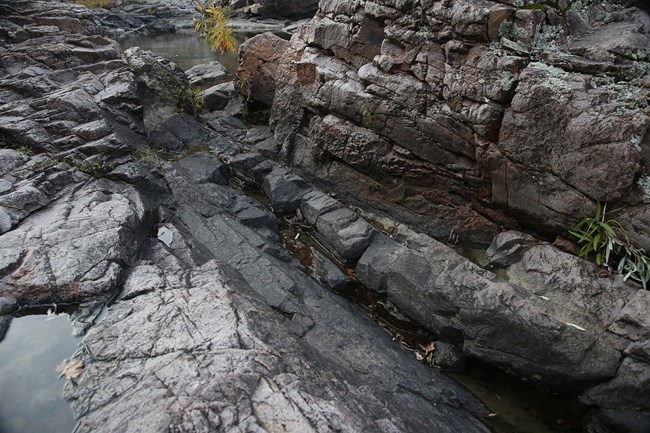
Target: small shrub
213, 23
147, 155
97, 170
26, 150
190, 100
607, 240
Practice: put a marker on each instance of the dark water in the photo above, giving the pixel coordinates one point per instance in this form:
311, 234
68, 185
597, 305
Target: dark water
185, 48
31, 393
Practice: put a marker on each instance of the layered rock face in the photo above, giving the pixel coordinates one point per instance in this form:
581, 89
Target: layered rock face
213, 328
463, 115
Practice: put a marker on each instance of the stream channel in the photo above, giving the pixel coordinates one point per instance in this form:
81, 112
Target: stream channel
37, 342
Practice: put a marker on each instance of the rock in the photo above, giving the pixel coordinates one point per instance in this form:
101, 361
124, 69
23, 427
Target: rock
131, 172
160, 84
372, 266
536, 86
632, 322
449, 357
252, 214
76, 248
317, 203
509, 247
625, 392
5, 221
47, 107
21, 202
345, 233
201, 168
179, 132
206, 73
215, 99
257, 66
467, 305
451, 122
7, 305
285, 190
327, 273
294, 9
270, 389
5, 321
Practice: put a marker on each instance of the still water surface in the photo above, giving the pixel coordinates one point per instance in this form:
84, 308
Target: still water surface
31, 393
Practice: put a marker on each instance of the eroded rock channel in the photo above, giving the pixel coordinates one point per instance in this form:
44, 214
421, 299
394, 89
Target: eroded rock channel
114, 193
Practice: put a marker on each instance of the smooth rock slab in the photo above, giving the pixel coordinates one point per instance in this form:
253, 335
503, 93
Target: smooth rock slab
201, 353
75, 248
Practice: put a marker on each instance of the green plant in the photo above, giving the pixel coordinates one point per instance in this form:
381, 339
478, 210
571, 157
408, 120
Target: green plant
5, 143
106, 4
190, 100
97, 170
606, 239
26, 150
213, 23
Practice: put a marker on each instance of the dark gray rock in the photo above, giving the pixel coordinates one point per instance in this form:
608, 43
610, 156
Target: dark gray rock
327, 273
449, 357
223, 343
131, 172
206, 73
179, 132
508, 248
7, 305
372, 266
345, 233
252, 214
627, 391
215, 99
201, 168
5, 321
543, 328
317, 203
285, 190
633, 322
160, 83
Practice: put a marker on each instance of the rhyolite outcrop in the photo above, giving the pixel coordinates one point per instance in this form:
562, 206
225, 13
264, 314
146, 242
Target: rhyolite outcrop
214, 327
462, 116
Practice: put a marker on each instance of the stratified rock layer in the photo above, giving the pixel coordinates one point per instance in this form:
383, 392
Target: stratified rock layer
457, 115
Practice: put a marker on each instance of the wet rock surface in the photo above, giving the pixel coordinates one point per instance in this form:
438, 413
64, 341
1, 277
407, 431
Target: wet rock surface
213, 325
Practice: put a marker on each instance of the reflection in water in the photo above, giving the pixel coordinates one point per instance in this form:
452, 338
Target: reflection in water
186, 49
31, 399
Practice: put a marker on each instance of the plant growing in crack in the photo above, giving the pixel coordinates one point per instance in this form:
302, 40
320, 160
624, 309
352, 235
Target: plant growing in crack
97, 170
607, 241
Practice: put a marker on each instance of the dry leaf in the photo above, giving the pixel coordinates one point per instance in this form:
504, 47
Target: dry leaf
71, 369
429, 348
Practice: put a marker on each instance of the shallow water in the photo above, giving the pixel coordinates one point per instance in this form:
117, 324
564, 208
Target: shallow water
185, 48
31, 400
